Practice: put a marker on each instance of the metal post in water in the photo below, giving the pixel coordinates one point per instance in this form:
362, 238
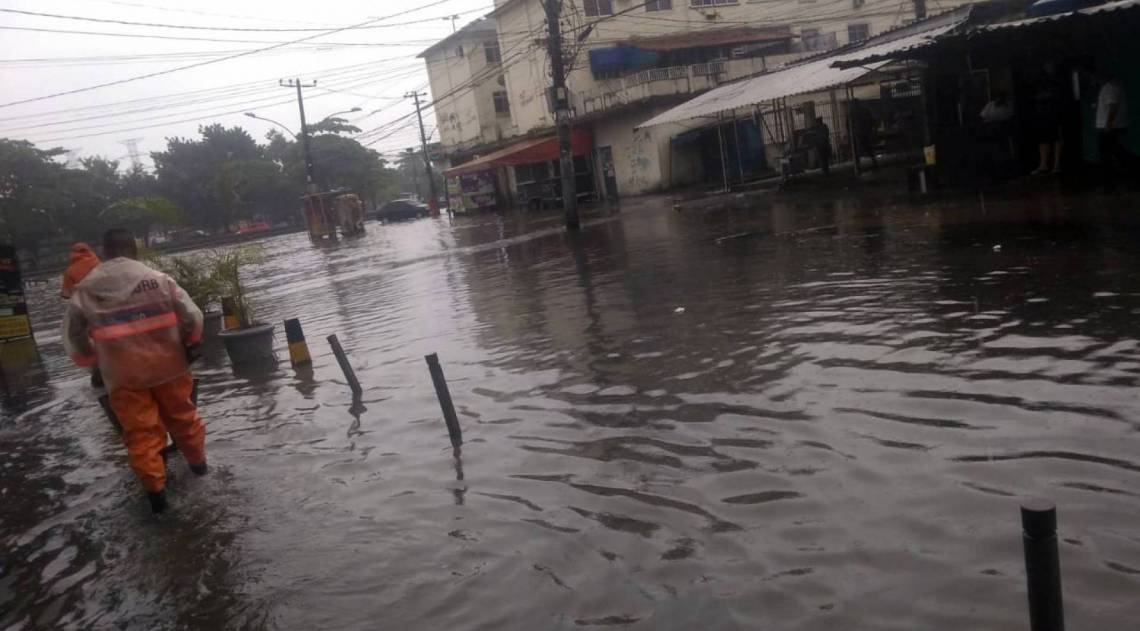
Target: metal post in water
445, 403
298, 348
342, 359
1042, 565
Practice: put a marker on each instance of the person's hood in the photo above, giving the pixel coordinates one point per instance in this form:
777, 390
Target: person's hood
83, 252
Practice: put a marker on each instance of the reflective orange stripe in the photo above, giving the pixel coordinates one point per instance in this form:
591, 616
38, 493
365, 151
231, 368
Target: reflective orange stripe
84, 361
127, 329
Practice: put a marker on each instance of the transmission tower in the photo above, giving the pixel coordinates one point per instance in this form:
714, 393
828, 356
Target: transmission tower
132, 145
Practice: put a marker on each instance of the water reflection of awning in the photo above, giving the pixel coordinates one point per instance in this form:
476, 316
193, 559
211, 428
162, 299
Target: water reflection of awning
804, 78
528, 151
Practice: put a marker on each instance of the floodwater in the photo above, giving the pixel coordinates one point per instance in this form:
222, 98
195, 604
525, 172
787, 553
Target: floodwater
797, 413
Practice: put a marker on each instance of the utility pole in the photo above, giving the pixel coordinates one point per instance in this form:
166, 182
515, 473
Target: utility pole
919, 9
433, 203
310, 170
559, 102
453, 19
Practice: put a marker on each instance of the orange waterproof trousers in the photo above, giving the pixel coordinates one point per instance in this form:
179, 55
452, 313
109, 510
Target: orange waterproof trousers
147, 416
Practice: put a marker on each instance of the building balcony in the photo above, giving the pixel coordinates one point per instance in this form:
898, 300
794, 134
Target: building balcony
655, 83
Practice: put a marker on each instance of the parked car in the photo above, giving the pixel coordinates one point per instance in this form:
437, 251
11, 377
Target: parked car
402, 210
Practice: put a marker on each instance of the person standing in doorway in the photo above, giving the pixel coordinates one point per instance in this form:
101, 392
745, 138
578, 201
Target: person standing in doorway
1048, 102
863, 127
137, 324
821, 134
1111, 128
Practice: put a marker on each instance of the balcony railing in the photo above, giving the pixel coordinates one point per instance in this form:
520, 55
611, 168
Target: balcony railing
708, 69
674, 80
656, 74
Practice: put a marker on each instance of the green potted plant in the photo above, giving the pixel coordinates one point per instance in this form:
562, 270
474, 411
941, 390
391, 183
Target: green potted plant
194, 273
247, 341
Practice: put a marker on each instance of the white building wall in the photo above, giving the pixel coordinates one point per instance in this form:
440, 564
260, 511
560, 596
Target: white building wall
642, 158
462, 85
522, 23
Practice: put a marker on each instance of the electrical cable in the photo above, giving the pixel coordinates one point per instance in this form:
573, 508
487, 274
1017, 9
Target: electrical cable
222, 28
209, 62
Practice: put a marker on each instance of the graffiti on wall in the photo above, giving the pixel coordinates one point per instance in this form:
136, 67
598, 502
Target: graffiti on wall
641, 161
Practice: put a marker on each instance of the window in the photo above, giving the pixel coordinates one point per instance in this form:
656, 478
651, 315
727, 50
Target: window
459, 51
811, 39
858, 32
659, 5
491, 50
502, 103
858, 4
598, 7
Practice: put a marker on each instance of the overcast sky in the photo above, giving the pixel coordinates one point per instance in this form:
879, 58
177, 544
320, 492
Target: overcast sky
373, 73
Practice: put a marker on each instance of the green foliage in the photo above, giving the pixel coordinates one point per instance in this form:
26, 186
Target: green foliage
225, 268
333, 125
211, 276
211, 181
142, 213
195, 274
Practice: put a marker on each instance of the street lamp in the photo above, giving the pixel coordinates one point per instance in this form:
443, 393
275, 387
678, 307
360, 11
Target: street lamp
355, 109
268, 120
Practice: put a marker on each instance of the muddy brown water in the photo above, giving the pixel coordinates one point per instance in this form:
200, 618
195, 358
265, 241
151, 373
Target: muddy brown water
801, 414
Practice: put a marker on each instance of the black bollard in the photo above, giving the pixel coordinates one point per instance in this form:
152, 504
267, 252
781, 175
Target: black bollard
342, 359
1042, 565
298, 347
445, 403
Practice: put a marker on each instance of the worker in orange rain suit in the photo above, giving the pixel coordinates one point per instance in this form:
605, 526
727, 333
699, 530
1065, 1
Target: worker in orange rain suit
137, 324
83, 260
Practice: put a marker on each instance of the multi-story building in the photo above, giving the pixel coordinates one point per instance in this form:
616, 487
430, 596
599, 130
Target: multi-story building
465, 72
629, 61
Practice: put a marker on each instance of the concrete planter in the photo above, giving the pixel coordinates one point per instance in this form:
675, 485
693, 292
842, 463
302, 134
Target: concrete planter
250, 346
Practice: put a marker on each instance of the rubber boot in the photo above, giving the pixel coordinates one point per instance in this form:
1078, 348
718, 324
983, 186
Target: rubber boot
200, 469
157, 502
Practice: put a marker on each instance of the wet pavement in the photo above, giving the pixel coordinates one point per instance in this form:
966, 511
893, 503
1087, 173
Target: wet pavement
786, 413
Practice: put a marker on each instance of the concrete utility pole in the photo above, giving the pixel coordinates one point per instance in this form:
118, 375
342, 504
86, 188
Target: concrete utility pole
433, 203
919, 9
560, 102
310, 170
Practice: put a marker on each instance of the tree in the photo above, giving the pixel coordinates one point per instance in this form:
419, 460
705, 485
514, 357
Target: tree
141, 214
333, 125
203, 176
31, 193
340, 163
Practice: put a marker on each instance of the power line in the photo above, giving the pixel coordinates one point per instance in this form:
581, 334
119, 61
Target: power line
182, 38
220, 28
241, 110
242, 94
211, 61
178, 95
139, 5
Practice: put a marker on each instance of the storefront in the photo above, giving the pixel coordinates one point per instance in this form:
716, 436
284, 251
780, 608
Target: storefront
481, 184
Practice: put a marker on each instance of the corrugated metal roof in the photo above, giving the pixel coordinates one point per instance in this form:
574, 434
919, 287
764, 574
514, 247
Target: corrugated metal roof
810, 76
1110, 7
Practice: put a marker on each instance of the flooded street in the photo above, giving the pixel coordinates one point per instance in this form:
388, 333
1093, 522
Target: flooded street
806, 415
